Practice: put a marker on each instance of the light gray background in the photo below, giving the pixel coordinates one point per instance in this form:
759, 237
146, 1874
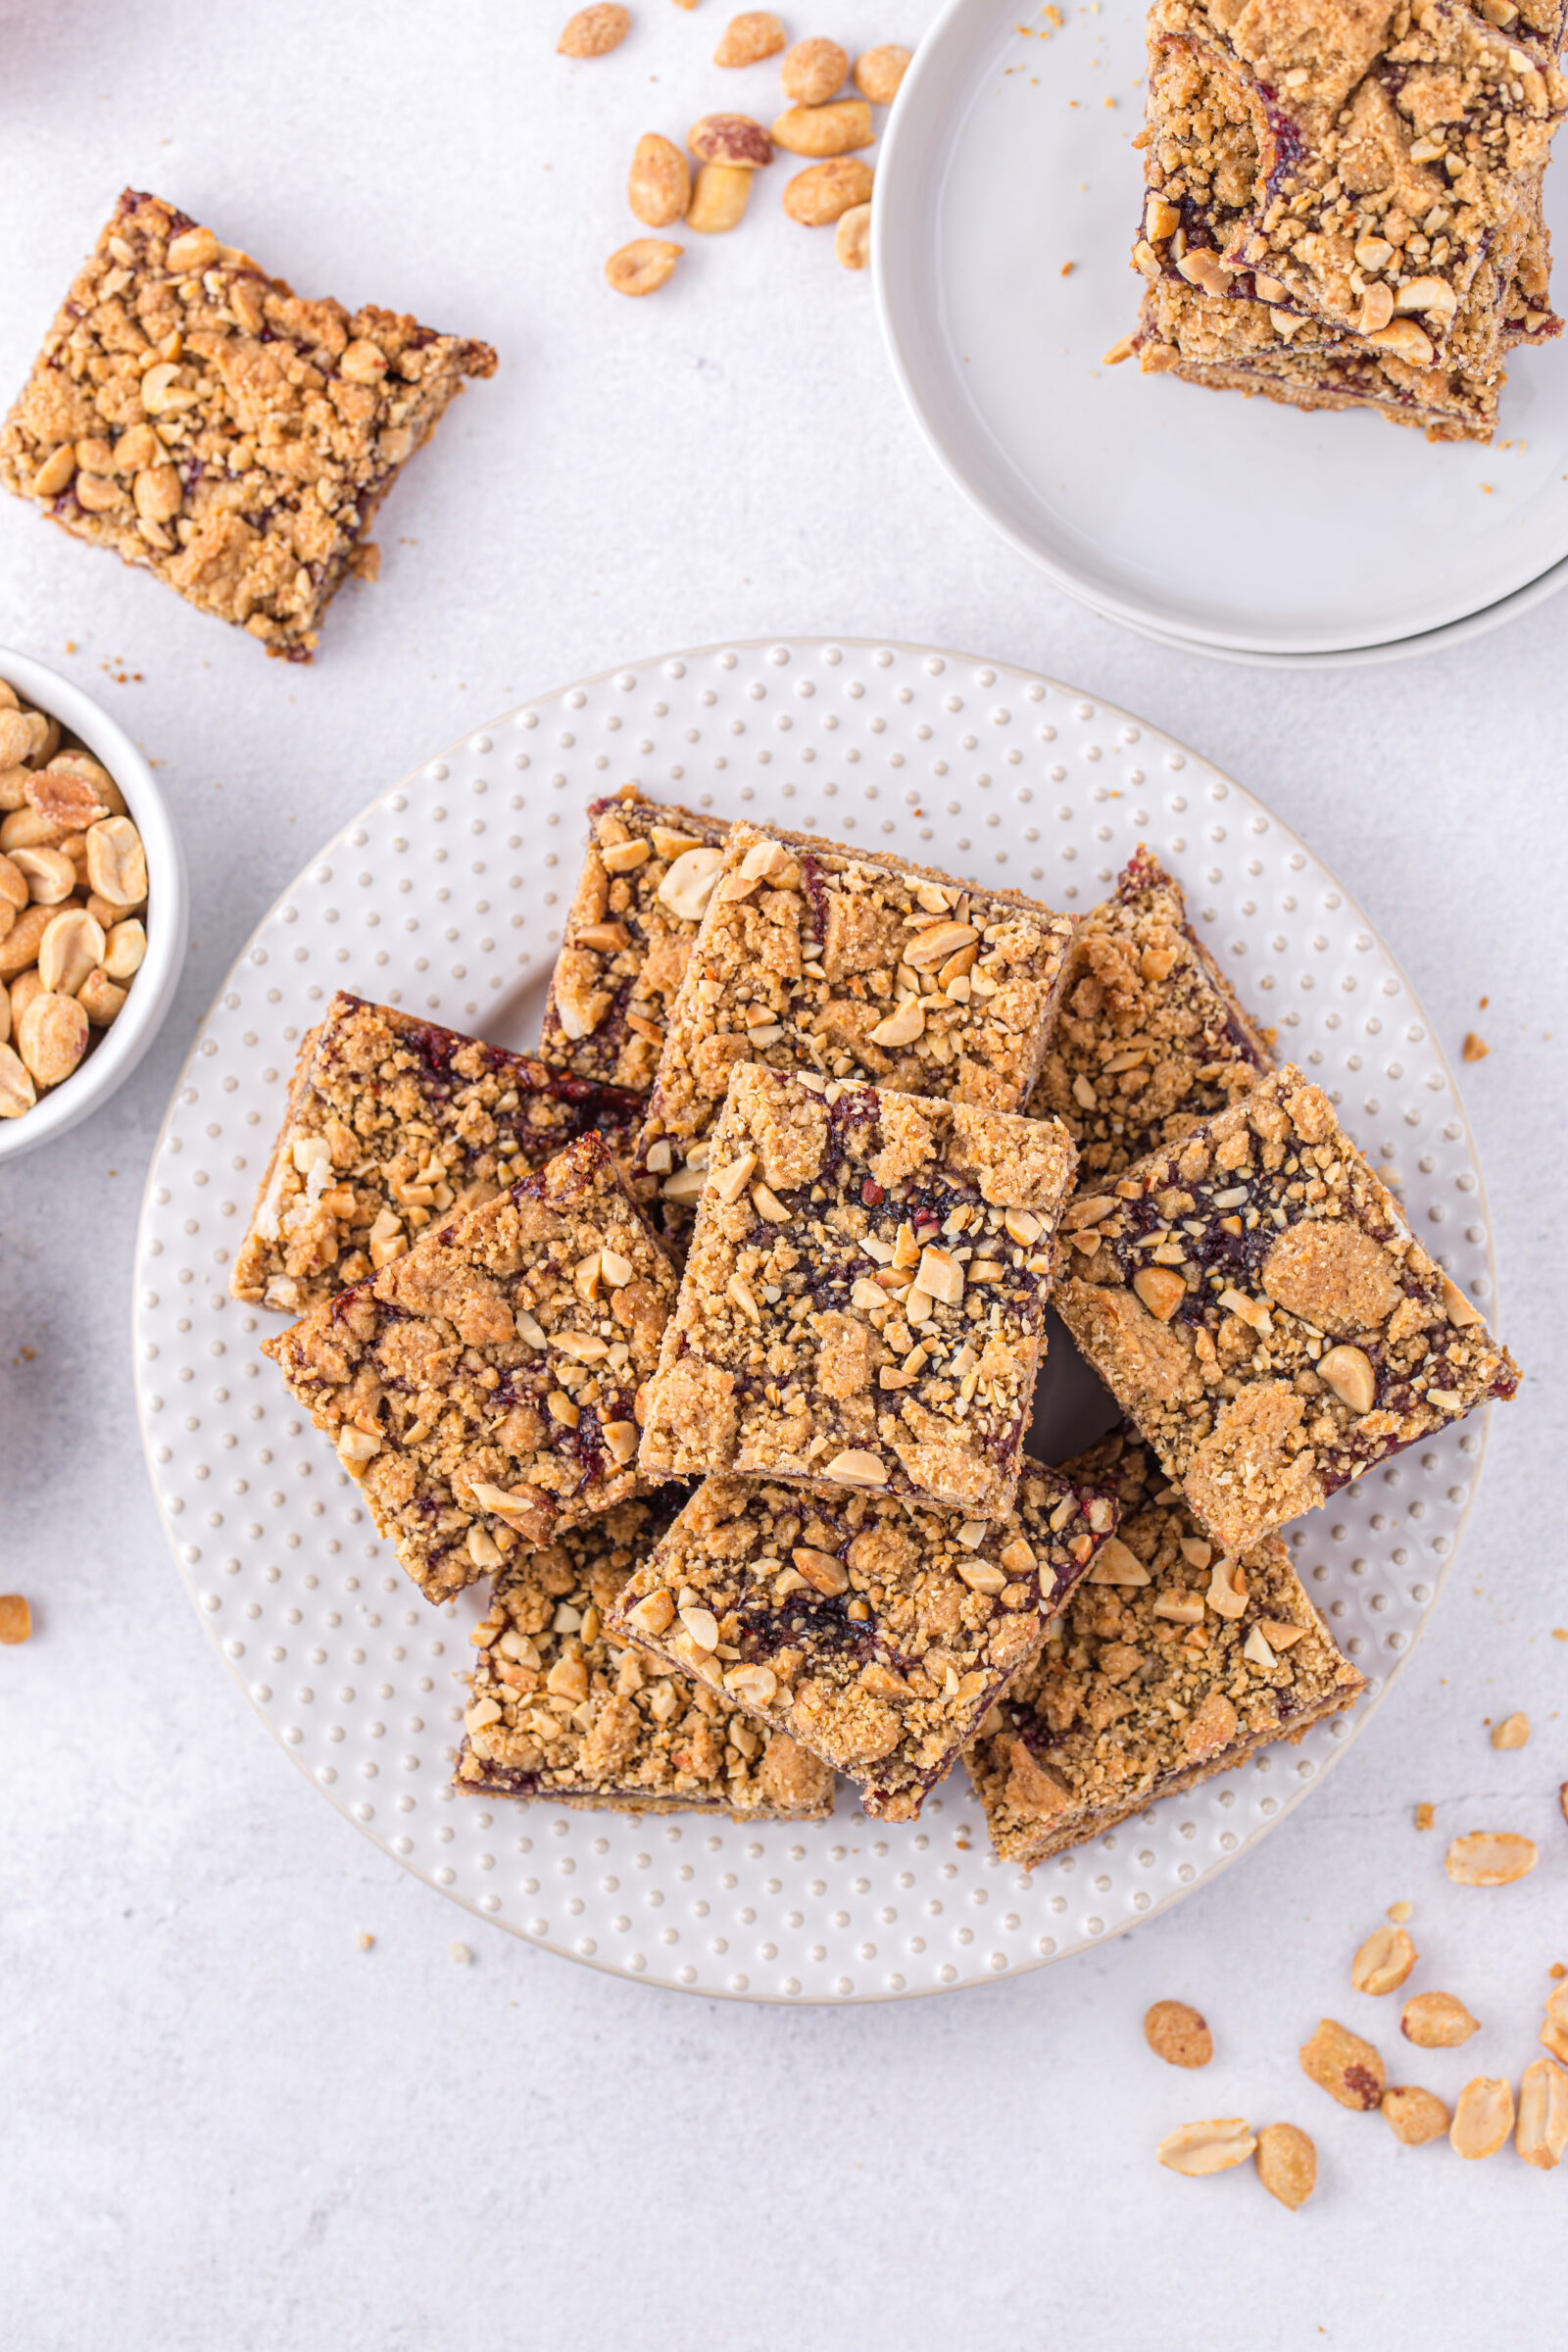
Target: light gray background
226, 2126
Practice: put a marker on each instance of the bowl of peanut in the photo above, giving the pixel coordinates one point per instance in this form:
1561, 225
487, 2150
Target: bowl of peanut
93, 906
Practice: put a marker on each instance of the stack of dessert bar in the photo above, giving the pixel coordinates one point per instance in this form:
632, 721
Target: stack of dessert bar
710, 1339
1343, 202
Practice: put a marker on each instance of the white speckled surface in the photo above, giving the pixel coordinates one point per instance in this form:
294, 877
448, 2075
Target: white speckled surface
229, 2125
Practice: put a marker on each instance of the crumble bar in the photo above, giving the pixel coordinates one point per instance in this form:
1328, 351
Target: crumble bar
482, 1387
644, 888
876, 1633
1256, 1304
562, 1710
1151, 1037
1369, 164
811, 955
392, 1125
1167, 1665
208, 423
864, 1298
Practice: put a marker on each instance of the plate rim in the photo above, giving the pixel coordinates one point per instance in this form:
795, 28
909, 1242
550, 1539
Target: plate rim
410, 781
887, 225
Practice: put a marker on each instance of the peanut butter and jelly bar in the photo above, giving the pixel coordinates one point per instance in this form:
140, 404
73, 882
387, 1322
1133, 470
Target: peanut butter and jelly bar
818, 957
1169, 1663
1371, 167
208, 423
877, 1633
864, 1298
560, 1710
482, 1387
392, 1125
1151, 1039
643, 890
1256, 1301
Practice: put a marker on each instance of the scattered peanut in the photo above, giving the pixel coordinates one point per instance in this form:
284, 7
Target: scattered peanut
1543, 2133
878, 74
825, 129
1415, 2116
824, 192
1383, 1962
851, 239
1177, 2032
1483, 2117
16, 1618
1287, 2164
747, 39
658, 186
1437, 2020
1489, 1858
734, 139
719, 195
643, 265
1198, 2149
1341, 2063
1512, 1731
595, 31
813, 72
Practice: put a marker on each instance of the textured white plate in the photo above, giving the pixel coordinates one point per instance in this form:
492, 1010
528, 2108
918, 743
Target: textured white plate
1233, 522
446, 896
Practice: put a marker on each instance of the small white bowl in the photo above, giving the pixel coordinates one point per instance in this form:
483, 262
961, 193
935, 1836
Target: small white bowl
121, 1046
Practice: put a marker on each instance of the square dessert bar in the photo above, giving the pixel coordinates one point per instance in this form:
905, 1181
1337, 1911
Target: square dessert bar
392, 1125
643, 891
865, 1299
1256, 1304
875, 1633
812, 957
562, 1710
1151, 1039
482, 1388
1168, 1664
1373, 168
209, 424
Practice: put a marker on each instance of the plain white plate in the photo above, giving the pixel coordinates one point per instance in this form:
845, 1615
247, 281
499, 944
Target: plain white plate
1234, 523
446, 896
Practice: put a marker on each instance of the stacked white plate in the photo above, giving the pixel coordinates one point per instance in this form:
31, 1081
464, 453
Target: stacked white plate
1007, 197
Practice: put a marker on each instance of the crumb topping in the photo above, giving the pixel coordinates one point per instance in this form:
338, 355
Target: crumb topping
559, 1708
207, 423
392, 1125
1169, 1663
1256, 1301
482, 1388
875, 1633
864, 1298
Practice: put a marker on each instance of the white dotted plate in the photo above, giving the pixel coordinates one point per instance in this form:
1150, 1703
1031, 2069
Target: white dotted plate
446, 896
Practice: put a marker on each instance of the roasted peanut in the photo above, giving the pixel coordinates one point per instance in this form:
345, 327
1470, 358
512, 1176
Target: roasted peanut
643, 265
1483, 2117
595, 31
1347, 2067
813, 72
851, 238
733, 139
71, 948
1415, 2116
1543, 2133
1437, 2020
50, 874
1384, 1961
719, 195
658, 186
19, 947
100, 999
116, 863
1198, 2149
124, 948
749, 38
66, 798
833, 129
1287, 2164
824, 192
1177, 2032
1489, 1858
51, 1036
17, 1090
880, 71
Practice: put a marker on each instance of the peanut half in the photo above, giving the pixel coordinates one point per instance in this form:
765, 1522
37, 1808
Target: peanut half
1177, 2032
813, 72
1483, 2117
1437, 2020
658, 186
733, 139
719, 195
1489, 1858
747, 39
1543, 2133
643, 265
1415, 2116
879, 73
595, 31
1287, 2164
851, 238
824, 192
1383, 1962
1341, 2063
1198, 2149
825, 129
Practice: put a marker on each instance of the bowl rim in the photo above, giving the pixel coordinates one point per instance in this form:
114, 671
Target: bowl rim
133, 1032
